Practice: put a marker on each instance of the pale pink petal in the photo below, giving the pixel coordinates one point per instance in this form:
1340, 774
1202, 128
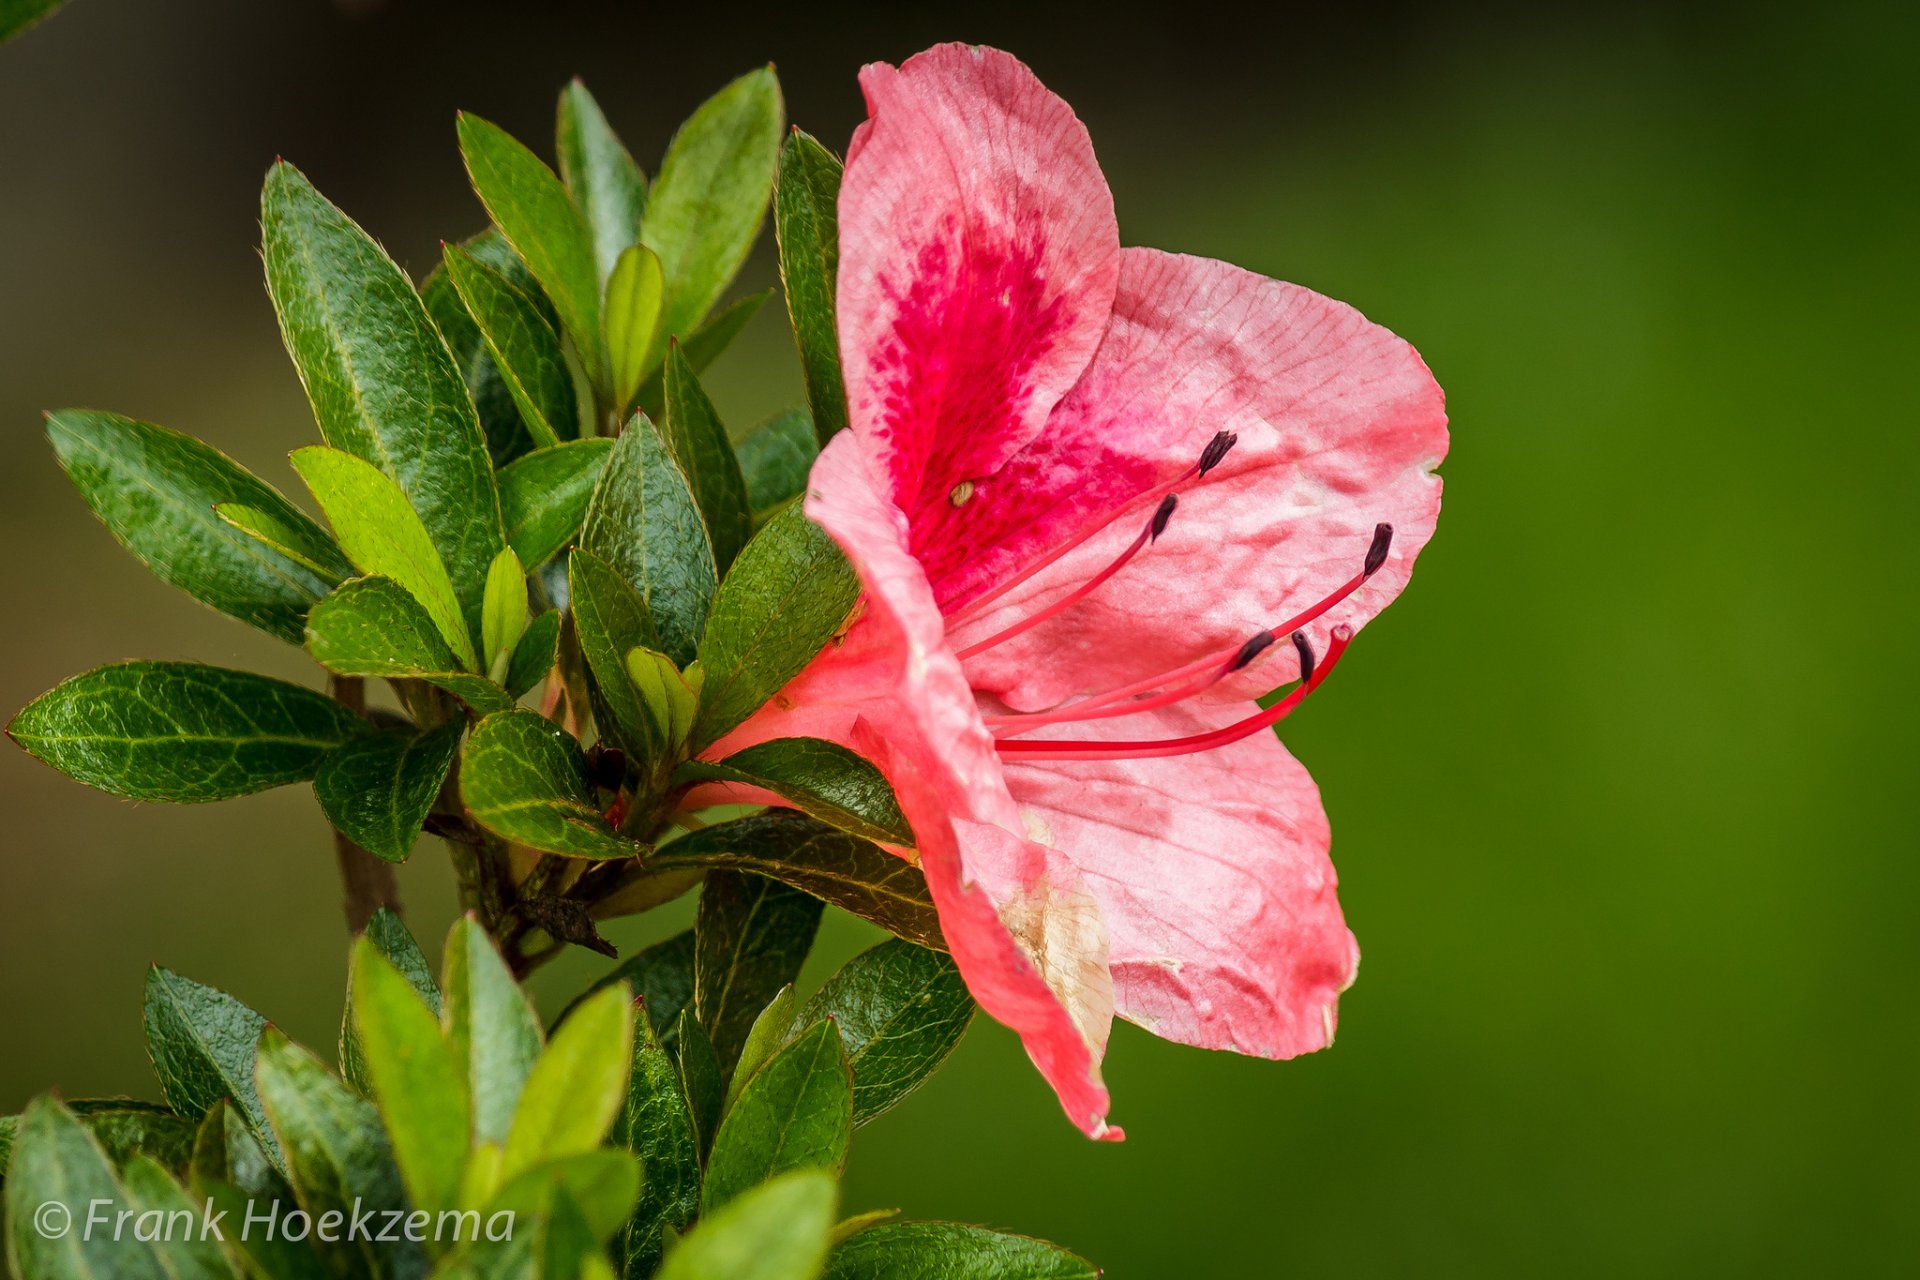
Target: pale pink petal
1340, 425
1212, 875
978, 260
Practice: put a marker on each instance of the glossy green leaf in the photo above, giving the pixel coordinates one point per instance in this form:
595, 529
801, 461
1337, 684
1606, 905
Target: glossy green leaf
390, 936
184, 1252
534, 656
700, 1076
853, 874
901, 1010
644, 521
421, 1088
775, 459
795, 1113
377, 789
769, 1033
611, 620
182, 732
670, 698
823, 778
202, 1043
699, 442
525, 349
493, 1030
779, 1231
375, 627
661, 978
55, 1160
635, 294
506, 431
523, 778
578, 1087
785, 597
503, 615
605, 182
751, 936
544, 496
338, 1155
533, 211
711, 195
304, 543
806, 223
156, 489
951, 1251
656, 1124
382, 382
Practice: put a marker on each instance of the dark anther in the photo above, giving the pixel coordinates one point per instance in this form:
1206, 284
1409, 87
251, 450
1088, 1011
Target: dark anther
607, 767
1216, 450
1160, 518
1306, 655
1377, 553
1253, 648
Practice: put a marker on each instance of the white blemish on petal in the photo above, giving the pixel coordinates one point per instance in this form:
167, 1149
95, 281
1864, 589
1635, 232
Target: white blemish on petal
1038, 828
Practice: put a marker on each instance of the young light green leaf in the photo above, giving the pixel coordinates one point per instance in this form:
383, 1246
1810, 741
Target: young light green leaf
901, 1009
644, 521
523, 778
605, 182
700, 444
375, 627
814, 858
492, 1028
382, 535
389, 934
796, 1113
785, 597
306, 544
545, 496
578, 1086
751, 936
184, 1253
635, 293
377, 789
383, 384
770, 1032
56, 1161
503, 616
535, 655
776, 458
668, 695
951, 1251
611, 620
201, 1043
710, 197
806, 224
779, 1231
660, 977
657, 1126
525, 349
823, 778
602, 1186
421, 1089
537, 216
156, 490
506, 432
182, 732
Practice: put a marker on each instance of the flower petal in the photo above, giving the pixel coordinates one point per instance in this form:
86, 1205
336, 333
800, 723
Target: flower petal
978, 261
1211, 873
1340, 425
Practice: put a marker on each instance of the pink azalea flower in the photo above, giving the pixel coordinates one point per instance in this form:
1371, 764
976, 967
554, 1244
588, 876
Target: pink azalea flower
1087, 489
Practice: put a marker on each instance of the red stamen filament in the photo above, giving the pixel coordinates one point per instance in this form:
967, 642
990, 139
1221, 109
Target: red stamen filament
1093, 749
1079, 593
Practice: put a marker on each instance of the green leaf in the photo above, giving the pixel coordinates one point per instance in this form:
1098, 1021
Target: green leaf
182, 732
661, 979
383, 384
901, 1009
264, 1254
703, 346
494, 1032
17, 15
202, 1044
156, 489
55, 1160
634, 297
544, 496
539, 219
605, 182
577, 1088
776, 458
226, 1149
612, 620
751, 936
524, 779
389, 934
534, 656
853, 874
700, 444
796, 1113
378, 788
338, 1155
805, 200
771, 1030
306, 544
124, 1128
711, 195
382, 535
700, 1077
951, 1251
421, 1089
525, 349
669, 696
506, 432
375, 627
184, 1253
656, 1124
644, 521
785, 597
824, 778
503, 615
602, 1186
779, 1231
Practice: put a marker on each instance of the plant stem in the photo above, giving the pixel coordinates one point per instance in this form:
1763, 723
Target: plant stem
369, 883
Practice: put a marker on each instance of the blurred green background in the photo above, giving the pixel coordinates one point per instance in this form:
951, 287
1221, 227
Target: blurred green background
1621, 789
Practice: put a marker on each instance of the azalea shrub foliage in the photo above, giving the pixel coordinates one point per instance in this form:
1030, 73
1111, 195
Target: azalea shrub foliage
984, 644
